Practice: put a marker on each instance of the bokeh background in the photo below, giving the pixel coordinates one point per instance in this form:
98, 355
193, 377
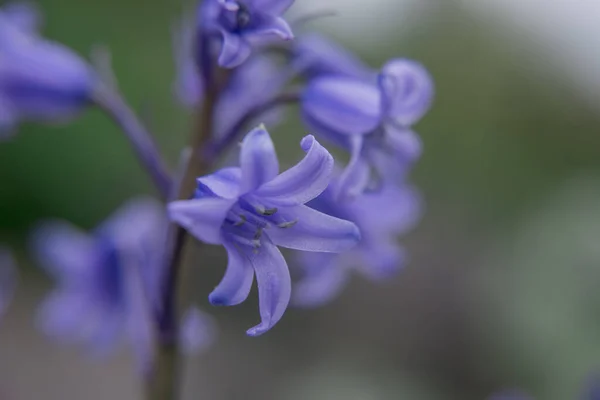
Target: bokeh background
502, 287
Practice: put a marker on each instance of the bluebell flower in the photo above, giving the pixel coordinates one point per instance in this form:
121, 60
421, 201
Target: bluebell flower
372, 121
39, 79
381, 217
108, 282
243, 24
7, 278
315, 55
252, 209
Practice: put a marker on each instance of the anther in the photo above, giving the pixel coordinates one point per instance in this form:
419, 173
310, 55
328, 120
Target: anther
242, 17
285, 225
266, 211
258, 235
242, 220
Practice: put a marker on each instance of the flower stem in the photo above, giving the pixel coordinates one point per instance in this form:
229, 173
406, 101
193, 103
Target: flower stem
141, 141
163, 381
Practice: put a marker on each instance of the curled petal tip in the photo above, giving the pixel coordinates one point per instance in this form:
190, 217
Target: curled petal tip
258, 330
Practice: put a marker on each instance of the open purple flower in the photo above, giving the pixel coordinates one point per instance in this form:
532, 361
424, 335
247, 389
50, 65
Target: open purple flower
7, 278
372, 121
109, 282
381, 217
39, 79
252, 209
243, 24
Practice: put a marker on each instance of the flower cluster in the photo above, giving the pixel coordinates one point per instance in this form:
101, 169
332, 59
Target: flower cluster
238, 64
109, 283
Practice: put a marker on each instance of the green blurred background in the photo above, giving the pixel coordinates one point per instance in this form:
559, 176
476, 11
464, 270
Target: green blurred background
501, 290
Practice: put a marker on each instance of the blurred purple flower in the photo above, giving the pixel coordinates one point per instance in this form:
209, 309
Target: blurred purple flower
39, 79
243, 24
315, 55
252, 209
381, 217
253, 83
198, 332
109, 282
8, 278
371, 121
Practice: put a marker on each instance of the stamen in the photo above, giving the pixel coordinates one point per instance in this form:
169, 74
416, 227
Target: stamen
242, 220
258, 234
242, 16
285, 225
266, 211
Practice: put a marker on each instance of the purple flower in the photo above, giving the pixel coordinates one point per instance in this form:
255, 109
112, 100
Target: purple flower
252, 209
316, 56
381, 217
39, 79
109, 282
7, 278
372, 121
243, 24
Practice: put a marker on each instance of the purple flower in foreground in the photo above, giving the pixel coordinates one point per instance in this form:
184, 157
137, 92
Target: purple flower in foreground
252, 209
39, 79
109, 282
372, 121
243, 24
316, 56
7, 278
381, 217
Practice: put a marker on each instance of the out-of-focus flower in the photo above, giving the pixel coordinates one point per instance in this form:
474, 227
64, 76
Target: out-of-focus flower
252, 209
108, 283
243, 24
39, 79
7, 278
381, 217
315, 55
253, 83
372, 121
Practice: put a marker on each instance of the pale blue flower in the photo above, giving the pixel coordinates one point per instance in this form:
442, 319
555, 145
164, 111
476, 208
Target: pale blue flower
243, 24
381, 217
252, 209
109, 282
39, 79
372, 121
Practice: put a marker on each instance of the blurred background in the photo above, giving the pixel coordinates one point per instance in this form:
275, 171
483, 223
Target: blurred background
502, 287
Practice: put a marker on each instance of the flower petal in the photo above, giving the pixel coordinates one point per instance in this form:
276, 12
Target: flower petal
273, 7
269, 25
319, 56
407, 91
26, 16
303, 182
224, 183
343, 105
258, 159
235, 50
201, 217
63, 250
61, 313
274, 286
314, 231
197, 333
237, 282
355, 177
322, 282
382, 260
